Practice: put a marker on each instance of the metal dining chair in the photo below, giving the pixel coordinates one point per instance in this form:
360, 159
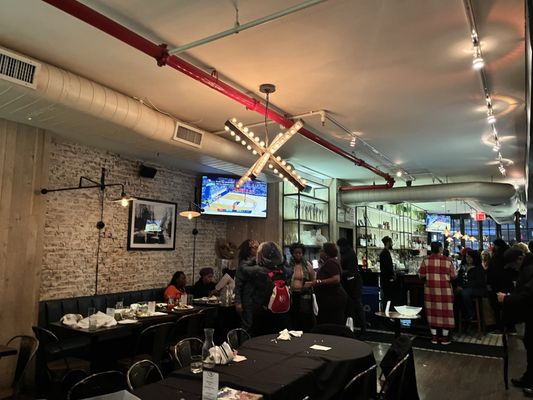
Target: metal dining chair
360, 385
152, 344
97, 385
27, 348
392, 386
143, 373
236, 337
186, 348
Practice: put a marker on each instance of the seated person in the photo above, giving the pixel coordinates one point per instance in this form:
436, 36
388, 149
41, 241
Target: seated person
471, 282
176, 287
204, 287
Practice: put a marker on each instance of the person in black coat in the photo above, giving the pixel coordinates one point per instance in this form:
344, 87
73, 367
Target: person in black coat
352, 283
517, 307
471, 282
499, 279
387, 276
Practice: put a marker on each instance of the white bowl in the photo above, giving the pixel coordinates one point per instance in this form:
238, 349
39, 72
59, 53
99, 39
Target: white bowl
408, 310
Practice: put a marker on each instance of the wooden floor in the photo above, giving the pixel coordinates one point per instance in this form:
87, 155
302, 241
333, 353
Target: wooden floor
463, 377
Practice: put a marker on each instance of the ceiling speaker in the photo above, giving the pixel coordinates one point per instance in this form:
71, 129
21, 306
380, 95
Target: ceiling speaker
147, 172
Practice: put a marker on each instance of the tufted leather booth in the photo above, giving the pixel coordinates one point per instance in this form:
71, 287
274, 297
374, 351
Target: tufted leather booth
53, 310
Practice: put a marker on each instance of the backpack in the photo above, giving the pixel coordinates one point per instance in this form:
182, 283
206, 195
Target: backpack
280, 299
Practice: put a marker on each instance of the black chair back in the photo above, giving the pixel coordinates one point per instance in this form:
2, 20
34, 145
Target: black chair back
153, 341
97, 385
392, 387
236, 337
186, 348
27, 348
142, 373
210, 317
333, 329
402, 385
190, 325
362, 386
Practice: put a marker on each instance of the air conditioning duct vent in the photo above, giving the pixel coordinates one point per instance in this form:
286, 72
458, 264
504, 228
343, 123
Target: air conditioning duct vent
188, 135
18, 69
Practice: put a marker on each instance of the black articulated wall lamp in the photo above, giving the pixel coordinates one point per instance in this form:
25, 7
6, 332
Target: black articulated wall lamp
102, 185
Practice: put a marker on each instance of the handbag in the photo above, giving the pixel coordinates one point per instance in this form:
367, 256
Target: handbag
315, 305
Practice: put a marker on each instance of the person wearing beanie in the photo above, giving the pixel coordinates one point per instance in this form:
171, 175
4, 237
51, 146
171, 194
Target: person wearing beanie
204, 286
270, 267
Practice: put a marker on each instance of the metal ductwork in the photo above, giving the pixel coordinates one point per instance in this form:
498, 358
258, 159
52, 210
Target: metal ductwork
61, 101
499, 200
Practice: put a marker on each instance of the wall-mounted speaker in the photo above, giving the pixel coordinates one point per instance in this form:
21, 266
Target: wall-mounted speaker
147, 172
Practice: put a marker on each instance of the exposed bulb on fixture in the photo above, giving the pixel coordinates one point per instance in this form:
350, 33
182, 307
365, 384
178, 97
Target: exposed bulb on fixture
491, 119
399, 174
124, 202
189, 216
478, 63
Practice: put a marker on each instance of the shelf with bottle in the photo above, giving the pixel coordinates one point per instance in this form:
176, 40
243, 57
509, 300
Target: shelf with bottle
317, 212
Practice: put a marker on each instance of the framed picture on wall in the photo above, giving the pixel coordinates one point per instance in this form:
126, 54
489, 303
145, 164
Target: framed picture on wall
152, 225
341, 215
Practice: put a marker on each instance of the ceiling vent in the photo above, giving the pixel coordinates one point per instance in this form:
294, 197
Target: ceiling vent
18, 69
188, 134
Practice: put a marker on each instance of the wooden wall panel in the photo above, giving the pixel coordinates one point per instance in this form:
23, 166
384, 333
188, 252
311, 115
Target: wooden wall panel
23, 171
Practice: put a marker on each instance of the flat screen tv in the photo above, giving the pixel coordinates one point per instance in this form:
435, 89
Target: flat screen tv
220, 197
437, 222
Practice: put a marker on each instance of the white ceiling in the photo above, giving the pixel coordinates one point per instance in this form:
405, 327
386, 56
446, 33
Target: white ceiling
398, 72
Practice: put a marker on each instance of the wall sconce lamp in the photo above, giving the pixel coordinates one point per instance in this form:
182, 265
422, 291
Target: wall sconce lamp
102, 185
191, 212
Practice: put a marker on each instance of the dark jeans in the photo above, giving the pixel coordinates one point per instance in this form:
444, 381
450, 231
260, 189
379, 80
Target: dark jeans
465, 299
354, 309
390, 293
528, 344
302, 317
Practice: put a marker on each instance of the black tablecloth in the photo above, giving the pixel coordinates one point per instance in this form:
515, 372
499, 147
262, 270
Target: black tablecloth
291, 369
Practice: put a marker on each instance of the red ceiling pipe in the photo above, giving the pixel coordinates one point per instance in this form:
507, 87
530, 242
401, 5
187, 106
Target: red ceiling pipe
160, 53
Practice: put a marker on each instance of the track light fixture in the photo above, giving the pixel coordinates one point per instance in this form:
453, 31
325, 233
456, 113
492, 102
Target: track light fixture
478, 64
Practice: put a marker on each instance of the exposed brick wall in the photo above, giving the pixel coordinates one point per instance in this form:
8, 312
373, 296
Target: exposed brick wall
71, 237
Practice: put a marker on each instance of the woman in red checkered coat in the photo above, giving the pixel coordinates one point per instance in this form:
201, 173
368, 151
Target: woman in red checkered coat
437, 272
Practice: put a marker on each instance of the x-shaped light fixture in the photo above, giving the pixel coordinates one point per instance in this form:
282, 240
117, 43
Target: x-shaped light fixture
266, 154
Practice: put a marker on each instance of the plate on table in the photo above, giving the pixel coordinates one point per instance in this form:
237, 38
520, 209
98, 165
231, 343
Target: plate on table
183, 307
127, 321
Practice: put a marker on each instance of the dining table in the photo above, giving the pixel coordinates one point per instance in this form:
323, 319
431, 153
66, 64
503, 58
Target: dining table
7, 351
313, 365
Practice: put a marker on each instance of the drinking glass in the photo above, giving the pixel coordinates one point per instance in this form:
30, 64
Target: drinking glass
151, 307
190, 299
91, 314
196, 364
110, 311
119, 305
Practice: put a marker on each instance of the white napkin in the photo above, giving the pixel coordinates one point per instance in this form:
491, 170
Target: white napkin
102, 320
284, 335
221, 354
71, 319
296, 333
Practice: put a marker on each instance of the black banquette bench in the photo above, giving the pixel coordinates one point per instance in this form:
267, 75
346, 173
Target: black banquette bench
52, 310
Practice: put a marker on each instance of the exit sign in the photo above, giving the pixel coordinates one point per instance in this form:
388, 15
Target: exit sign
480, 216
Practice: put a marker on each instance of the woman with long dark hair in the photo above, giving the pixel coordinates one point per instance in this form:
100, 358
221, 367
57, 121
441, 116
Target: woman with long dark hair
176, 287
244, 286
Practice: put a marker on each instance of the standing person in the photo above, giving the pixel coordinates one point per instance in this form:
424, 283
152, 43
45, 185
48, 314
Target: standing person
387, 276
471, 282
176, 287
517, 307
499, 279
330, 295
270, 267
244, 286
303, 275
437, 271
352, 283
